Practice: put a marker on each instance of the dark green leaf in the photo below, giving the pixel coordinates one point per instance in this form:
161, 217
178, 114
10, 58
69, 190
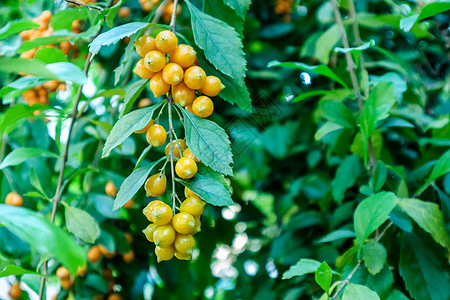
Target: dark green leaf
338, 113
379, 176
219, 10
81, 224
20, 155
374, 257
337, 235
346, 176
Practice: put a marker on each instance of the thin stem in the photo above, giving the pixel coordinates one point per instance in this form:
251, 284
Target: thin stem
351, 70
84, 5
174, 16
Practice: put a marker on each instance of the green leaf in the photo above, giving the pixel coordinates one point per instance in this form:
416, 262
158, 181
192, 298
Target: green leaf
50, 55
359, 292
208, 142
218, 9
346, 176
221, 43
428, 216
442, 167
210, 190
68, 72
370, 214
325, 44
320, 69
62, 19
427, 11
133, 183
379, 176
36, 183
128, 124
374, 257
21, 84
112, 13
331, 93
81, 224
45, 237
303, 267
16, 115
114, 35
397, 295
323, 277
423, 271
132, 93
337, 235
240, 6
326, 128
20, 155
338, 113
16, 271
16, 26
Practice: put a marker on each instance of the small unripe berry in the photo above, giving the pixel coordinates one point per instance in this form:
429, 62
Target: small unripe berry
62, 273
166, 253
184, 243
162, 214
183, 256
129, 204
156, 135
164, 235
144, 102
189, 154
147, 211
183, 223
110, 189
149, 230
94, 254
124, 12
15, 292
128, 257
193, 205
176, 148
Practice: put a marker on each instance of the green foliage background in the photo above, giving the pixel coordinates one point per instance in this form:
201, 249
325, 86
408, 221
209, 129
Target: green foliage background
310, 210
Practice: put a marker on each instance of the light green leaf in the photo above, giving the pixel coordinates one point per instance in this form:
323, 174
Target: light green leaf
337, 235
320, 69
20, 155
132, 93
21, 84
63, 19
303, 267
16, 115
359, 292
68, 72
208, 142
326, 128
325, 44
428, 10
370, 214
441, 168
346, 176
338, 113
379, 176
221, 43
44, 237
323, 277
29, 66
81, 224
16, 26
240, 6
50, 55
428, 216
16, 271
128, 124
374, 257
112, 13
133, 183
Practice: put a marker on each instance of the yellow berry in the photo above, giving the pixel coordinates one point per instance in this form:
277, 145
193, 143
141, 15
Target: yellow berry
195, 78
158, 86
203, 106
94, 254
212, 86
155, 61
176, 148
14, 199
188, 193
189, 109
183, 256
183, 223
142, 71
128, 257
172, 74
183, 95
166, 253
193, 205
62, 273
149, 230
156, 135
155, 185
145, 128
184, 243
164, 235
145, 102
162, 214
184, 55
189, 154
110, 189
186, 168
166, 41
147, 211
198, 226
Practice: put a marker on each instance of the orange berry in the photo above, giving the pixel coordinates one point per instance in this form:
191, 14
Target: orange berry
184, 55
164, 235
114, 296
110, 189
172, 74
128, 257
183, 95
156, 135
166, 253
51, 85
155, 185
155, 61
189, 109
186, 168
129, 204
195, 78
166, 41
147, 211
105, 251
145, 102
158, 86
183, 223
94, 254
124, 12
15, 292
188, 153
62, 273
66, 284
144, 45
14, 199
81, 271
176, 148
212, 86
145, 128
142, 71
203, 106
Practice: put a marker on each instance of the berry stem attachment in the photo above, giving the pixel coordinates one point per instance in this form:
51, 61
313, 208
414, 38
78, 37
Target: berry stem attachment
171, 156
174, 16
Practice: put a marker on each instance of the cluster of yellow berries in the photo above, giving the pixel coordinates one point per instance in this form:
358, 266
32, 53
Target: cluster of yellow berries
284, 7
173, 233
179, 72
149, 5
14, 199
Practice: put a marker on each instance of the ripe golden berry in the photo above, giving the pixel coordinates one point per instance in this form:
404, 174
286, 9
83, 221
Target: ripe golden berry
145, 128
51, 85
124, 12
176, 148
155, 185
188, 153
155, 61
81, 271
186, 168
212, 86
94, 254
172, 74
149, 230
129, 204
15, 292
166, 41
193, 205
166, 253
184, 55
142, 71
198, 225
183, 256
114, 296
162, 214
62, 273
66, 284
203, 106
189, 109
110, 189
182, 95
144, 45
184, 243
144, 102
188, 193
183, 223
156, 135
194, 77
164, 235
128, 257
158, 86
147, 211
14, 199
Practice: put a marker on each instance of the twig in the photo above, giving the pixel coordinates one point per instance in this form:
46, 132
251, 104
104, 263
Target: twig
174, 16
84, 5
351, 70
